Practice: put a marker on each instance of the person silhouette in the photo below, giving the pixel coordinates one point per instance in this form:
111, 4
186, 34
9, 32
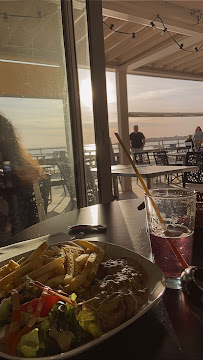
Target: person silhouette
198, 138
18, 172
137, 140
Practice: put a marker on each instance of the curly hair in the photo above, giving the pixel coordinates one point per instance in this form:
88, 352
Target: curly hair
26, 168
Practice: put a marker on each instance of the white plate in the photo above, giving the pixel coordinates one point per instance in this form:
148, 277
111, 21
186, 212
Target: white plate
156, 286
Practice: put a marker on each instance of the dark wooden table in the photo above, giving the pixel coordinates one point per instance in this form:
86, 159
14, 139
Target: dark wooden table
172, 329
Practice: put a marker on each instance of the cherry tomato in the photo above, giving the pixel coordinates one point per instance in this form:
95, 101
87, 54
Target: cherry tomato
31, 306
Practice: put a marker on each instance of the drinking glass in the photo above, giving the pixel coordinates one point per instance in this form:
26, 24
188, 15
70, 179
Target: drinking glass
177, 208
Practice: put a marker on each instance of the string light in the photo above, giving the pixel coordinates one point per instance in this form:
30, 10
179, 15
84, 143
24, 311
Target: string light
164, 30
153, 26
38, 16
5, 16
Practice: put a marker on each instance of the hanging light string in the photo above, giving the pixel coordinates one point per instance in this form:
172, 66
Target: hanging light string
153, 26
38, 16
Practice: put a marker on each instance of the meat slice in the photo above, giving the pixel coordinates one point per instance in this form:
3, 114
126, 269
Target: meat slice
119, 292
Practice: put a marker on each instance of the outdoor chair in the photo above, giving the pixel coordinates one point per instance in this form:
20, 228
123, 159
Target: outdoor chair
68, 181
194, 179
179, 159
161, 159
141, 158
67, 176
91, 188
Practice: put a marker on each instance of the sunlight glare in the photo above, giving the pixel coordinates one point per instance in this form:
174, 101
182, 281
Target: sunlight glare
86, 92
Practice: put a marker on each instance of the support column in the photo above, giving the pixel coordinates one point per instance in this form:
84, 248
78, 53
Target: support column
98, 78
123, 123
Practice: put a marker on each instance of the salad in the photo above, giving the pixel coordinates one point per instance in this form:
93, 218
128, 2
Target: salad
37, 321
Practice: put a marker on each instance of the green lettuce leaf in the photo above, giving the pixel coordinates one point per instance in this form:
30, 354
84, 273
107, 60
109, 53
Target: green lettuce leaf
5, 311
89, 321
29, 344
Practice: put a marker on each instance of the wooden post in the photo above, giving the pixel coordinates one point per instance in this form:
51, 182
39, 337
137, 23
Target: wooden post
98, 78
123, 123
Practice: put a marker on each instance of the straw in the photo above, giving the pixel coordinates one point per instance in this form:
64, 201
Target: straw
170, 242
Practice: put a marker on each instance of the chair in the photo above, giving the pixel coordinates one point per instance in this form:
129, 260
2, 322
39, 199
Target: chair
67, 176
180, 159
91, 188
194, 178
42, 193
161, 159
141, 158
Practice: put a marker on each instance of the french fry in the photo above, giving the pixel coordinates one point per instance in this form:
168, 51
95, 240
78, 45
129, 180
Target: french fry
13, 265
89, 245
77, 269
19, 273
75, 250
38, 252
81, 259
46, 259
71, 266
45, 268
72, 243
20, 261
69, 263
77, 281
58, 251
55, 281
42, 279
68, 279
98, 260
90, 261
5, 271
49, 252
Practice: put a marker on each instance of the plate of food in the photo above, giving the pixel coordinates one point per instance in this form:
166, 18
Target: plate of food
61, 299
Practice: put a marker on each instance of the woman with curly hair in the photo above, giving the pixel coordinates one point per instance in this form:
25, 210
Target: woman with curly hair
18, 172
198, 138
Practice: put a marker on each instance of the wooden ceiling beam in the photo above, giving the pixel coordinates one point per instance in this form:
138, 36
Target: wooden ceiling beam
172, 25
188, 61
131, 45
118, 24
149, 71
186, 58
199, 70
160, 53
194, 65
166, 61
113, 42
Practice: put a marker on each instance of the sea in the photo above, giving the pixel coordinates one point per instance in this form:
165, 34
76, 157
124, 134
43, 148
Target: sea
48, 151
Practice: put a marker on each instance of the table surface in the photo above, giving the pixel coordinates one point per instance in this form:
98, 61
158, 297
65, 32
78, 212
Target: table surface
150, 170
171, 329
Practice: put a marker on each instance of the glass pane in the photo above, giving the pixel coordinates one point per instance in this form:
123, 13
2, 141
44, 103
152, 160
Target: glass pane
34, 98
82, 52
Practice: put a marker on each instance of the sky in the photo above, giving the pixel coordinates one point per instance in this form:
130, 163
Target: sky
41, 121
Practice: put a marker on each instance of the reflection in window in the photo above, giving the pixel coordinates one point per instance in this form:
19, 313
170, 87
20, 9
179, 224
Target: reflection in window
34, 95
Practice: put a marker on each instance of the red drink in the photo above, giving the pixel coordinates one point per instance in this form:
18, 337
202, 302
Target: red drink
164, 256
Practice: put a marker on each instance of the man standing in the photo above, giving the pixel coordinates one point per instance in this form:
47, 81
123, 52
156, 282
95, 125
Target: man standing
137, 140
